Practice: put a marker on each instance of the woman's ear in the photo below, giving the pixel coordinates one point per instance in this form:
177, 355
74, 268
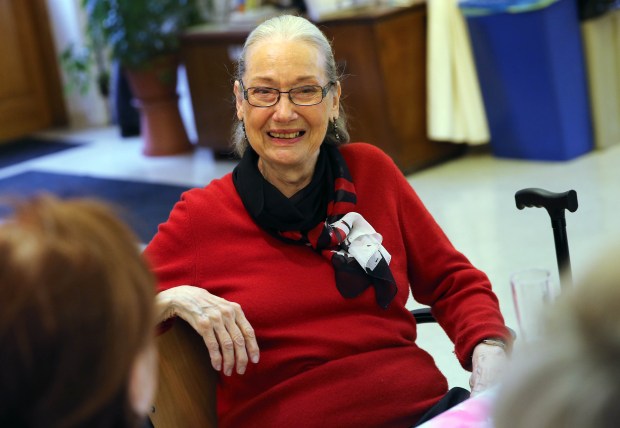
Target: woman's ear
238, 100
143, 381
336, 99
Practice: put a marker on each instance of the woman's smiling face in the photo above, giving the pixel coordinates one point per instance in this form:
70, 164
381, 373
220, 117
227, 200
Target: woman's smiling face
286, 136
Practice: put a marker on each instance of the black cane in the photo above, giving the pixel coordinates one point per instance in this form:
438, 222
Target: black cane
555, 204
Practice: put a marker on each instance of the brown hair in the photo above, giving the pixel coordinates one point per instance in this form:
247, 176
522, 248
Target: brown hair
76, 309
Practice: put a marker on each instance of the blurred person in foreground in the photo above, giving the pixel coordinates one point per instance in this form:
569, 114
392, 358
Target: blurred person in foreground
304, 256
570, 378
76, 318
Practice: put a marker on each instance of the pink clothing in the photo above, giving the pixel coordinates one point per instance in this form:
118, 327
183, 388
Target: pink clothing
327, 361
475, 412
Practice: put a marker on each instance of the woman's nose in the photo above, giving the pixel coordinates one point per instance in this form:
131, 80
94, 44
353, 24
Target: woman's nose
285, 109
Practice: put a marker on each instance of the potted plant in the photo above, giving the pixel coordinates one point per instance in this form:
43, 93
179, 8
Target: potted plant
143, 37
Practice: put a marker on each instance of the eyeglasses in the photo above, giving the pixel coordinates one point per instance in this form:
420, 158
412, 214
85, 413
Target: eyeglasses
308, 95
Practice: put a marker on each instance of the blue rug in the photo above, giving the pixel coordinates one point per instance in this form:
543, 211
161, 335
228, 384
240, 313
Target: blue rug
24, 149
143, 205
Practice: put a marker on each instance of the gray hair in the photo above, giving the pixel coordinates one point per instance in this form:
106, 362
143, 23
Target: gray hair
291, 27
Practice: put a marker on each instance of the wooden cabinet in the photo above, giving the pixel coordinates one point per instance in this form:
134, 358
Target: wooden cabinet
382, 52
30, 89
209, 56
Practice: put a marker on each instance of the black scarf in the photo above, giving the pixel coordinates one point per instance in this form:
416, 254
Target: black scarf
307, 216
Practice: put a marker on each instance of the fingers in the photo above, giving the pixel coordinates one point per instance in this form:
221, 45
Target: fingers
475, 381
228, 336
240, 341
481, 380
250, 342
248, 336
226, 344
488, 365
213, 346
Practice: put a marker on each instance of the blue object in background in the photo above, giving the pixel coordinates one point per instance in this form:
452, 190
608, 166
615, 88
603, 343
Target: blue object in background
533, 82
485, 7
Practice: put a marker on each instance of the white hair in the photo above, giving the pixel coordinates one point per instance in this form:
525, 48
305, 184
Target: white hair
289, 27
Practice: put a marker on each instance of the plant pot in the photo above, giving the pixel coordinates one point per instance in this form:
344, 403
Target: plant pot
155, 94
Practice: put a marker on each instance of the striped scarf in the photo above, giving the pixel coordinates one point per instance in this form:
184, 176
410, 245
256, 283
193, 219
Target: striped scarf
344, 237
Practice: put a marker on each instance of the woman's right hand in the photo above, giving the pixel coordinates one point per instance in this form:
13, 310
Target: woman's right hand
228, 335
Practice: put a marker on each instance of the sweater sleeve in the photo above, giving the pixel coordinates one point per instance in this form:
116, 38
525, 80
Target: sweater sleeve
460, 296
172, 252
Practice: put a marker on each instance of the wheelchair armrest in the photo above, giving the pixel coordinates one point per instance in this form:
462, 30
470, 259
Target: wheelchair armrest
187, 382
423, 315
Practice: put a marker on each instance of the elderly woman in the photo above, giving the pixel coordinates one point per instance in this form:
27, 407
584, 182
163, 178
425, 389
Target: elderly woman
302, 259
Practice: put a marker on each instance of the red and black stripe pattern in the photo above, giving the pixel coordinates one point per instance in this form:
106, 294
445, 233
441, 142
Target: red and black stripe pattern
312, 226
351, 278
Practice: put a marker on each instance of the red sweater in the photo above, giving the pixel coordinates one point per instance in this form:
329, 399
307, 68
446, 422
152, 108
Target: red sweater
327, 361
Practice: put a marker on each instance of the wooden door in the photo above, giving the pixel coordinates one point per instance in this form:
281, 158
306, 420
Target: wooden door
30, 90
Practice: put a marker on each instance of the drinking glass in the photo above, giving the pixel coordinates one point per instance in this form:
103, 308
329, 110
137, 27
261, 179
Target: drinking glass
531, 291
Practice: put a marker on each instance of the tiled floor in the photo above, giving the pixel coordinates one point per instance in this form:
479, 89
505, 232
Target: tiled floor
472, 198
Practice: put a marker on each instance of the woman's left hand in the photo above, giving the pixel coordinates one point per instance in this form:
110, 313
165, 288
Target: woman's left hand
488, 364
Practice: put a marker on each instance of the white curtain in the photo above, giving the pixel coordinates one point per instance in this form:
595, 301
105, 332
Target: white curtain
455, 108
601, 38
